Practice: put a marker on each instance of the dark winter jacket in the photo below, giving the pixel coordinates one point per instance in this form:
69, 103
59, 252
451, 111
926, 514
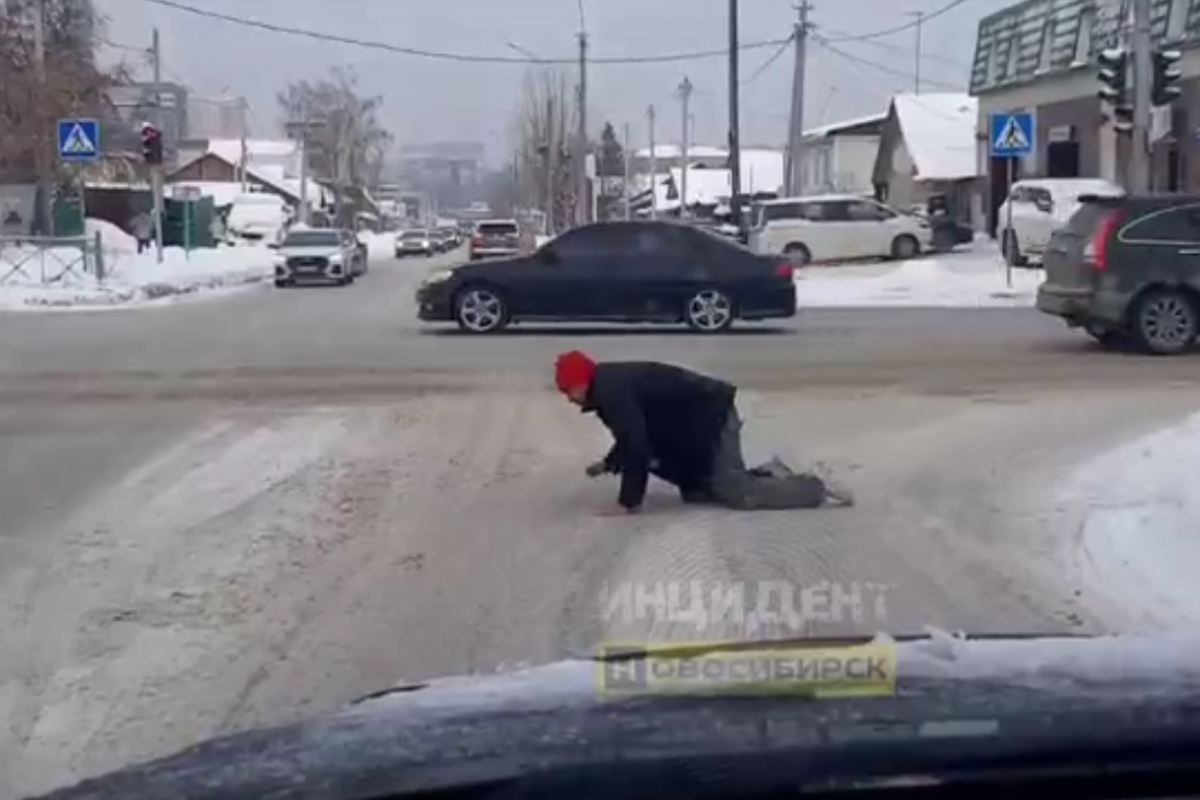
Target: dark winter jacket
662, 413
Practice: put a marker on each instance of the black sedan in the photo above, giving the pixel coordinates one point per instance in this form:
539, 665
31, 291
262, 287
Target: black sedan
658, 272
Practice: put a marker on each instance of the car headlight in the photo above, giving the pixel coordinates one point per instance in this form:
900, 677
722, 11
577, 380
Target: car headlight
279, 261
337, 259
437, 276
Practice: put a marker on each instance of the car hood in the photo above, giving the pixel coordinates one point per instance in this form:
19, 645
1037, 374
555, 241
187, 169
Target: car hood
309, 252
443, 732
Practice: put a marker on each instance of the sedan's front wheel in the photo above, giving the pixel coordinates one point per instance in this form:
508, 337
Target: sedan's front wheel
709, 311
479, 309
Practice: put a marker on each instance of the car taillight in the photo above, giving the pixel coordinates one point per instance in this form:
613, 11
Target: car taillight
785, 270
477, 241
1099, 243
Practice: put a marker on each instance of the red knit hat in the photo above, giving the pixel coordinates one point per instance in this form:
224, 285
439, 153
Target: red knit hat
573, 369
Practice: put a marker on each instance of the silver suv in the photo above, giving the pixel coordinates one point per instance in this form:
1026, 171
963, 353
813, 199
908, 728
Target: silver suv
496, 238
319, 255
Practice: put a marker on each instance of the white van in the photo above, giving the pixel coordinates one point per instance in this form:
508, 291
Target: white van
836, 227
1037, 207
258, 217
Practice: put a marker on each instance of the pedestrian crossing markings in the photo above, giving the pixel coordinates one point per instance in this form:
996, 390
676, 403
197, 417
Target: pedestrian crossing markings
1012, 137
78, 142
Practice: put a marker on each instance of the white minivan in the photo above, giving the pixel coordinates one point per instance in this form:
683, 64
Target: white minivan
836, 227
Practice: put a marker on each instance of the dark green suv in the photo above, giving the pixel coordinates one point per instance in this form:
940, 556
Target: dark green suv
1128, 268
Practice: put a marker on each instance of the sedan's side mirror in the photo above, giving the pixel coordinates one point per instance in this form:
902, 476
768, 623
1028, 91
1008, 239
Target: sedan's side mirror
1045, 206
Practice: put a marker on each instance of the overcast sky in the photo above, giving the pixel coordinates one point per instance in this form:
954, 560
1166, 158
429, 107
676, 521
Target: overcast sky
429, 100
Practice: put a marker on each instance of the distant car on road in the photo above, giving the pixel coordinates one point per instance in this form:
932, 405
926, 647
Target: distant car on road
836, 227
1128, 267
447, 239
1039, 207
414, 243
496, 238
616, 272
319, 255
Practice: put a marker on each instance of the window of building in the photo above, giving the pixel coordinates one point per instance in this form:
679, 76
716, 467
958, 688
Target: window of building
1014, 55
1083, 36
1047, 47
1177, 16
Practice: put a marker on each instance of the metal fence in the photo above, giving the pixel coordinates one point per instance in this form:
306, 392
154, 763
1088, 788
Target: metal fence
47, 260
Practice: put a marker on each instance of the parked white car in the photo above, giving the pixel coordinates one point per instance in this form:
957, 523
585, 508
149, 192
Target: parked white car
836, 227
1040, 206
258, 217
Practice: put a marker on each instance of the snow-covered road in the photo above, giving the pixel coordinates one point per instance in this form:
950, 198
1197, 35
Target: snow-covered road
219, 515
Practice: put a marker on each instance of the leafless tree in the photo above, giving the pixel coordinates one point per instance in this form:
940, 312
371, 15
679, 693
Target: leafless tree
74, 85
544, 121
351, 144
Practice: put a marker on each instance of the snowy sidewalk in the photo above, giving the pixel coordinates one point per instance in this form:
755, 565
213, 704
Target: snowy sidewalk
974, 278
131, 278
1140, 540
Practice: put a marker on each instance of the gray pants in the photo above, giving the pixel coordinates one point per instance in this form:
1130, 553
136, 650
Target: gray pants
732, 485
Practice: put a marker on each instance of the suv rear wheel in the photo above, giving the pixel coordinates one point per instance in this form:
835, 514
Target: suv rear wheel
1010, 248
1165, 321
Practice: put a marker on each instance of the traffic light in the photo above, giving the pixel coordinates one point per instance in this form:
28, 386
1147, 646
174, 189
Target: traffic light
1114, 72
1164, 92
152, 148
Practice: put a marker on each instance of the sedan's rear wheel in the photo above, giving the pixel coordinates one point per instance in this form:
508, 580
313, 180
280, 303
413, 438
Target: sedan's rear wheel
478, 309
709, 311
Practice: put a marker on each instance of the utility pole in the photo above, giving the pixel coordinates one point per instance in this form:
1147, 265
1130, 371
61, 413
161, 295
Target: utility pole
735, 128
920, 15
243, 111
650, 114
625, 182
796, 122
300, 131
552, 146
581, 137
1143, 67
156, 170
42, 161
685, 99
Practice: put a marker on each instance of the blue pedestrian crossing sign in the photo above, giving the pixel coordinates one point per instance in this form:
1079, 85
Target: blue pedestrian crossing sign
78, 139
1010, 134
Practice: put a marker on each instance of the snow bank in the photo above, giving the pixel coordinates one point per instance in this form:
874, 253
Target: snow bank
55, 278
1140, 540
973, 279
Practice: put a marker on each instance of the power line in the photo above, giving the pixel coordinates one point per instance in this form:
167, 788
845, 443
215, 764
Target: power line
448, 56
907, 26
766, 65
859, 63
866, 62
841, 36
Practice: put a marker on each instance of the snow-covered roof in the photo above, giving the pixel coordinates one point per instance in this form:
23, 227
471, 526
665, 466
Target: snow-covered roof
939, 133
272, 161
673, 151
834, 127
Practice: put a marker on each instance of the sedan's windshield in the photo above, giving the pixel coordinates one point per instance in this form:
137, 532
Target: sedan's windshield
413, 235
312, 239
